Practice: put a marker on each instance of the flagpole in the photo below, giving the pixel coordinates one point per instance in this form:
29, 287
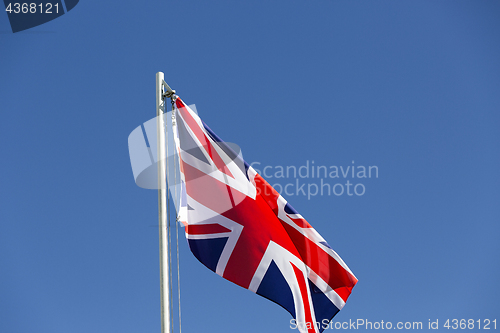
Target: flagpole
162, 206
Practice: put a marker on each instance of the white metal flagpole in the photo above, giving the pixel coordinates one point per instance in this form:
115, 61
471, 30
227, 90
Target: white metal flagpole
162, 206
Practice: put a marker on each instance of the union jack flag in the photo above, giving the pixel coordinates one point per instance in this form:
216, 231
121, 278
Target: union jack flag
238, 226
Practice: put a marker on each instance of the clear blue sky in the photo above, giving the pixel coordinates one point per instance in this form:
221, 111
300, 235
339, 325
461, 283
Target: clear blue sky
412, 87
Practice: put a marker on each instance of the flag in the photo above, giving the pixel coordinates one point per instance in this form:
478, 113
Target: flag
241, 228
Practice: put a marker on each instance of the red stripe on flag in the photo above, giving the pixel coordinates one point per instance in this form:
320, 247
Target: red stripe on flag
300, 222
305, 298
200, 229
